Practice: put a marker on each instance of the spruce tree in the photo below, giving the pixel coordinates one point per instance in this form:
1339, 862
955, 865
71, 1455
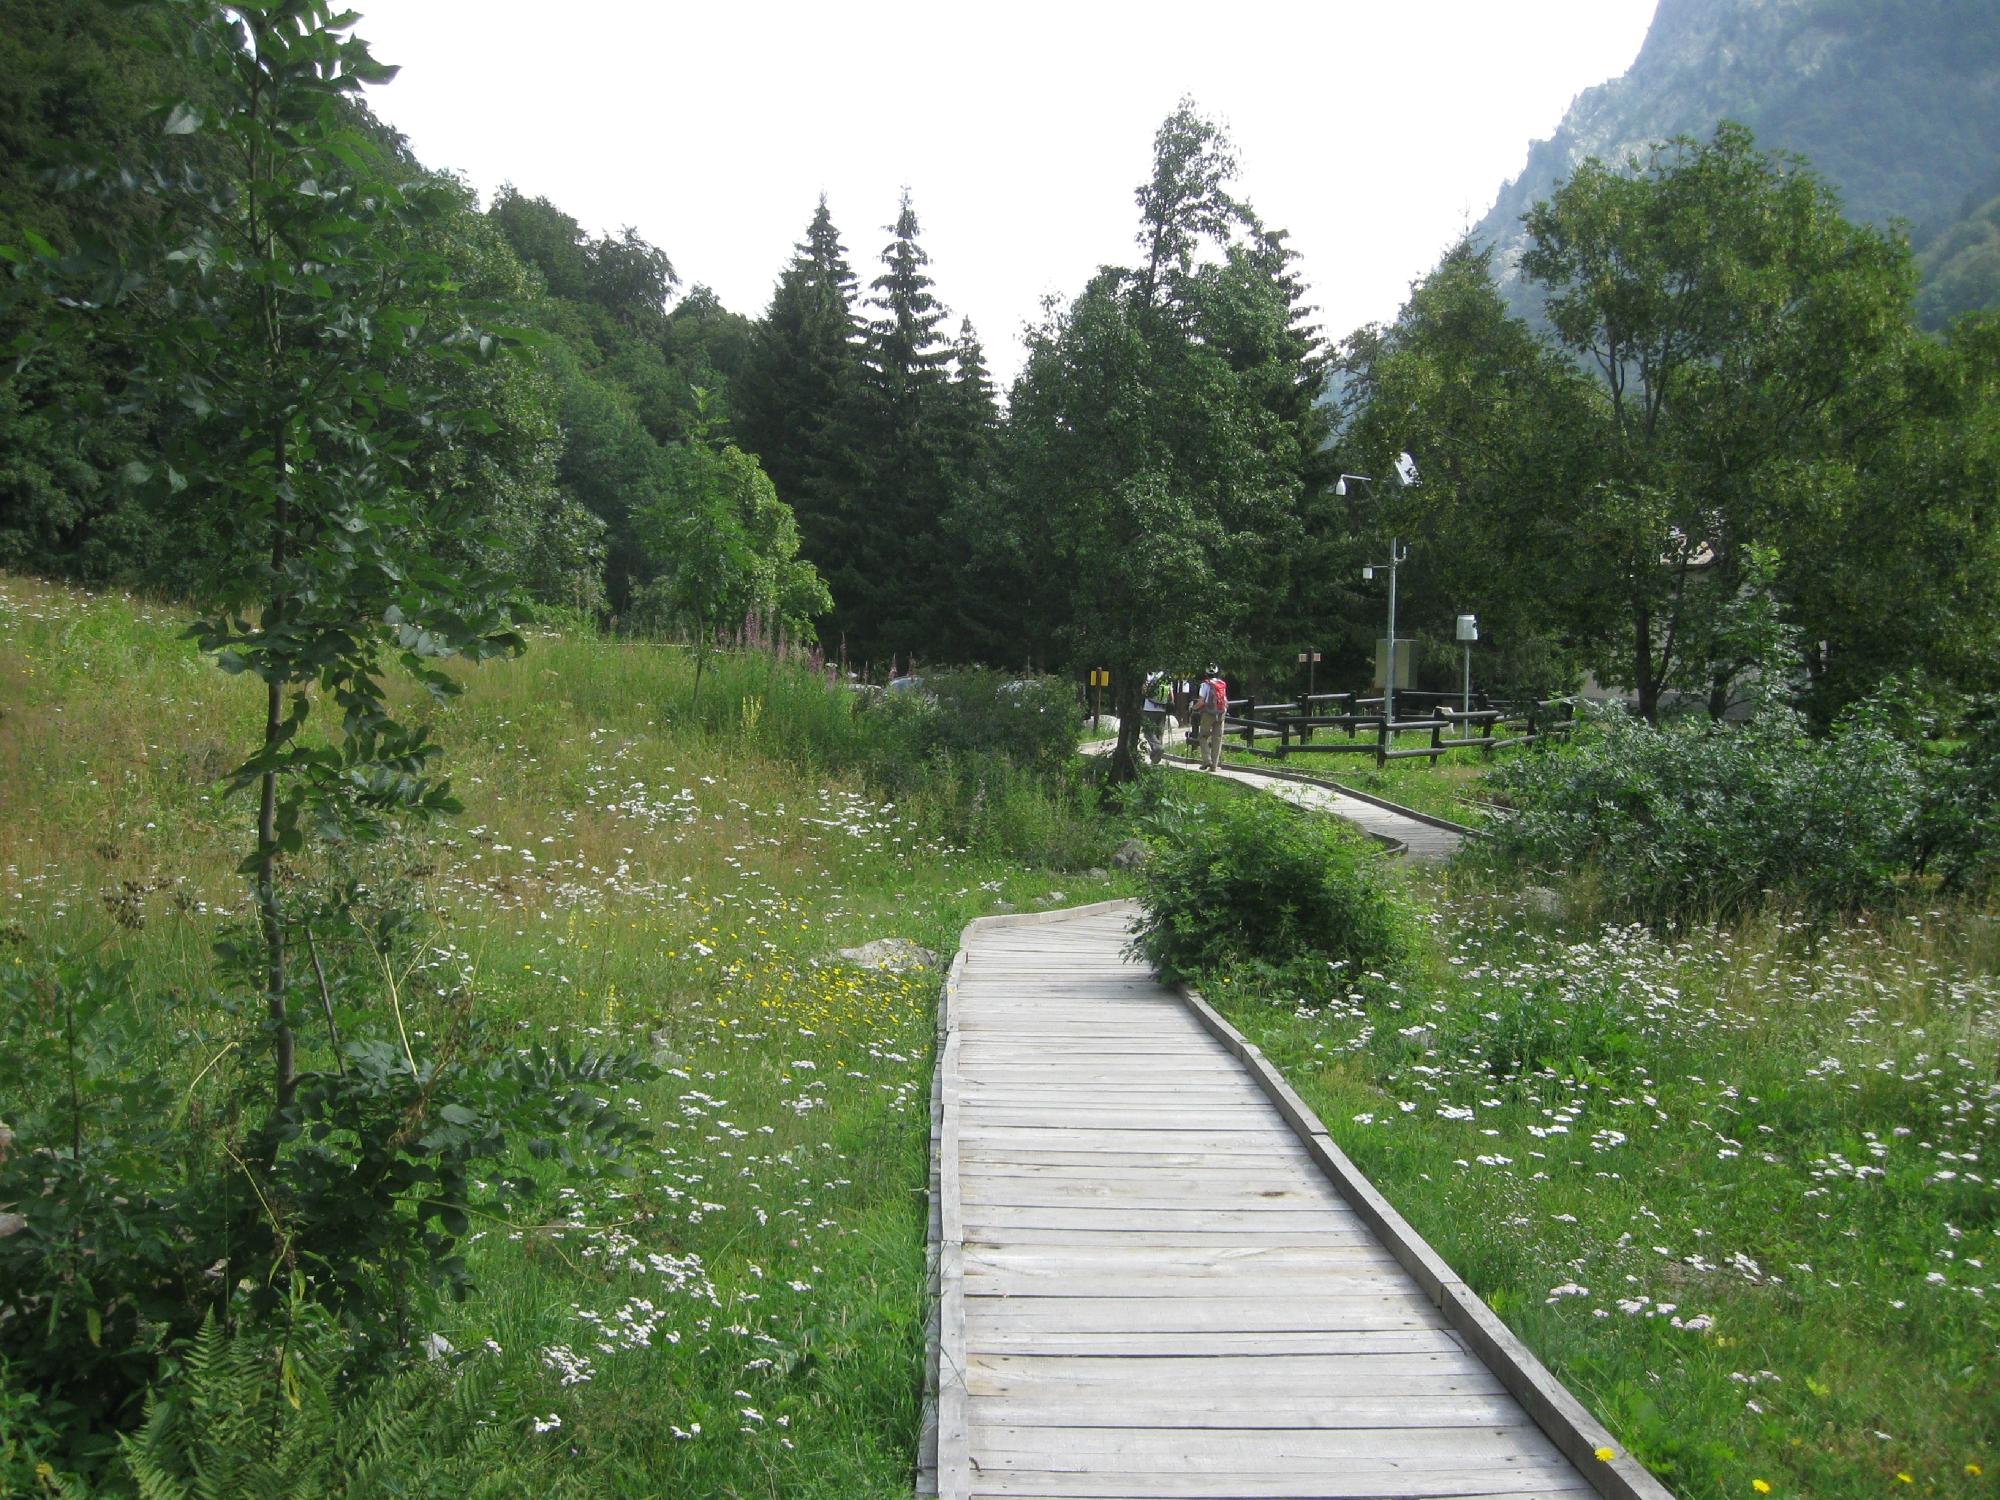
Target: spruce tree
977, 612
803, 369
898, 431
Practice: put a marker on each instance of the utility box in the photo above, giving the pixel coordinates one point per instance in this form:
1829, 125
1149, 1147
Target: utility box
1406, 663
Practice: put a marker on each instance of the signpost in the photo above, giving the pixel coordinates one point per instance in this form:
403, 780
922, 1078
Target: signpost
1100, 679
1310, 661
1468, 632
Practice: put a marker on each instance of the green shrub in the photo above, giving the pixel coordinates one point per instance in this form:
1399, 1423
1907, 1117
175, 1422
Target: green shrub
131, 1204
1694, 820
1253, 879
1959, 831
114, 1207
1033, 723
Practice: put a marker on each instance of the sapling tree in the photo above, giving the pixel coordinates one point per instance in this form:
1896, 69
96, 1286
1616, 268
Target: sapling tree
292, 318
291, 327
726, 545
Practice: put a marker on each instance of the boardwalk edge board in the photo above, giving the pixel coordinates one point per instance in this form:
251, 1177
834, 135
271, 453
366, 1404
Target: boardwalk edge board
1559, 1414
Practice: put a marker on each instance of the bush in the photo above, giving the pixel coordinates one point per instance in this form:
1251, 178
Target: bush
1959, 832
1033, 723
114, 1207
133, 1203
1705, 820
1252, 879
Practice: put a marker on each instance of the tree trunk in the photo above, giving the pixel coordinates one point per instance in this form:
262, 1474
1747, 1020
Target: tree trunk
1127, 693
1642, 666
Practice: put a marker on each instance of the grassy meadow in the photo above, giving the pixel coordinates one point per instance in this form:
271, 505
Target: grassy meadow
1736, 1186
745, 1315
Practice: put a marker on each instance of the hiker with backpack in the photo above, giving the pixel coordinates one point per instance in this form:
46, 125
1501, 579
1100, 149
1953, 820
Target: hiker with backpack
1211, 704
1154, 711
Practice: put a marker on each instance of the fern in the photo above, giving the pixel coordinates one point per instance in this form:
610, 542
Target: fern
256, 1414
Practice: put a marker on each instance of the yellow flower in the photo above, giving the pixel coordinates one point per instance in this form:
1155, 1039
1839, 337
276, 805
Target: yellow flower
1605, 1455
1761, 1486
1974, 1470
1904, 1478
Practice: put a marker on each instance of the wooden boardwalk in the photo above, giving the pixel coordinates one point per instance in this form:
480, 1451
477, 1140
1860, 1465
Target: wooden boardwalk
1417, 839
1149, 1285
1412, 837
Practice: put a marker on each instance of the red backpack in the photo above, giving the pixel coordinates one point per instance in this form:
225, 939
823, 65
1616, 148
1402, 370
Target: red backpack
1218, 692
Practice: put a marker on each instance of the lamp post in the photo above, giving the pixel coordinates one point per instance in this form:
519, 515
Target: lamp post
1406, 474
1468, 632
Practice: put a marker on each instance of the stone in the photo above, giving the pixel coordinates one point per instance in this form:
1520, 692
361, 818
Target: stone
1131, 855
897, 955
1542, 901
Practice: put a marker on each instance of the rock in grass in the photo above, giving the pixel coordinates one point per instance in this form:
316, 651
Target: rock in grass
1541, 900
897, 955
1131, 854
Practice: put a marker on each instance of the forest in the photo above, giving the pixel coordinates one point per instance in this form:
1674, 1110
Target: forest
369, 1130
1156, 488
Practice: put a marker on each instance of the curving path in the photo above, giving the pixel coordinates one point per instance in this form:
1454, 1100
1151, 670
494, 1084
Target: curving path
1417, 838
1158, 1278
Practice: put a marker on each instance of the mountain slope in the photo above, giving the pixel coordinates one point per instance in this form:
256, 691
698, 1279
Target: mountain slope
1895, 102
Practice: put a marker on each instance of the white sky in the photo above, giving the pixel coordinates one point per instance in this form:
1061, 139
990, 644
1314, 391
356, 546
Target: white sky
1375, 130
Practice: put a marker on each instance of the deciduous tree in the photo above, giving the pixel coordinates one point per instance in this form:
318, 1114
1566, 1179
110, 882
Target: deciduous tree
1158, 446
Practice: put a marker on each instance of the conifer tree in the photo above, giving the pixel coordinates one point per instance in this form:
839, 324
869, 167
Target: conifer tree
978, 611
803, 368
890, 566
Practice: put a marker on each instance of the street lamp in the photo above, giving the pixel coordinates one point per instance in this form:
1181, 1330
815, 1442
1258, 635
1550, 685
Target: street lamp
1406, 475
1397, 552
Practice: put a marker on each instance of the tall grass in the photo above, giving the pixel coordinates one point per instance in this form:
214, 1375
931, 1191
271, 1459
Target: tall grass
743, 1317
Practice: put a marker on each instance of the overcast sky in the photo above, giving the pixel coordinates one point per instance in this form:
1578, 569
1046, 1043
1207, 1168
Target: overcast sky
1375, 131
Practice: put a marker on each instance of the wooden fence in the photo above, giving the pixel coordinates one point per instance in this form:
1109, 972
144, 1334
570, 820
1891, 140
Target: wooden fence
1306, 725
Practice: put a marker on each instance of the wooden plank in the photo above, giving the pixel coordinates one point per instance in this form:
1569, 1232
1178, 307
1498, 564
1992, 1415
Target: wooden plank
1235, 1377
1225, 1407
1055, 1185
1244, 1451
1289, 1230
1351, 1482
1076, 1138
1191, 1315
1135, 1346
1197, 1220
1221, 1258
988, 1158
